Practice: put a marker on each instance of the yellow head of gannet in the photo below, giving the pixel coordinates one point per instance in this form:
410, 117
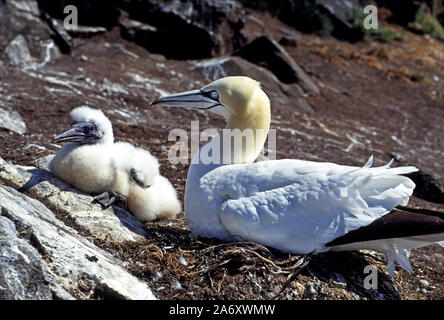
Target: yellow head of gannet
240, 100
294, 205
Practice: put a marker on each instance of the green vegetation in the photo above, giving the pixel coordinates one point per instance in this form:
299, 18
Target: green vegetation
426, 21
357, 16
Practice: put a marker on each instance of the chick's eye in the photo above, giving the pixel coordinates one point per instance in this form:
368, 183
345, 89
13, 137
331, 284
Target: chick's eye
88, 129
214, 95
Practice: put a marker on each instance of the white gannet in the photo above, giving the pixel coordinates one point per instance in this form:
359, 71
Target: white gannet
294, 205
116, 171
86, 162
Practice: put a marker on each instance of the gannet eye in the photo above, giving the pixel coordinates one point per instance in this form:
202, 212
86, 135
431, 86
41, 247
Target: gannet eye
214, 95
88, 129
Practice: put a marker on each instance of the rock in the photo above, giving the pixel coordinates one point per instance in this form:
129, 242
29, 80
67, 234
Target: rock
11, 120
427, 187
23, 17
339, 13
288, 42
216, 68
322, 17
17, 52
74, 266
59, 34
22, 272
43, 163
92, 13
269, 54
85, 32
184, 30
75, 206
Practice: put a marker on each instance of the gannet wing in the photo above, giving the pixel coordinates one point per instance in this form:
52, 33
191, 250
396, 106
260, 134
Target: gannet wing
299, 206
137, 163
138, 177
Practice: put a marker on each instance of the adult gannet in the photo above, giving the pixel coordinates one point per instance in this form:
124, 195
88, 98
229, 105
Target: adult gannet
293, 205
116, 171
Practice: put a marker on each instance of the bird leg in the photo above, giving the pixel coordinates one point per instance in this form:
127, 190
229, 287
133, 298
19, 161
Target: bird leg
108, 198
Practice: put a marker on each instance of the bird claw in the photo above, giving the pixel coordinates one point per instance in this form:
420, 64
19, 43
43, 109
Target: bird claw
106, 199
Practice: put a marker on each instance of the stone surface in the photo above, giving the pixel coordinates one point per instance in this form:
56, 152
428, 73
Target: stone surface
11, 120
22, 17
17, 52
75, 267
269, 54
113, 223
22, 272
427, 187
323, 17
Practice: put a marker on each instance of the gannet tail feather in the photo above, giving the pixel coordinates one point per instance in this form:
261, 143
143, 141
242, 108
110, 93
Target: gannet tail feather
396, 234
369, 162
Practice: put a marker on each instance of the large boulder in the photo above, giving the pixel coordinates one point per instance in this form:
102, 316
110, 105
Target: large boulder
322, 17
184, 29
178, 29
22, 271
94, 13
269, 54
23, 17
43, 258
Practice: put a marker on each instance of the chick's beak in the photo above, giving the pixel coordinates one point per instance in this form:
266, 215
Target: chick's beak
73, 134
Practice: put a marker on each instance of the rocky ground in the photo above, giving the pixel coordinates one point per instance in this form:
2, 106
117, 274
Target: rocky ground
332, 100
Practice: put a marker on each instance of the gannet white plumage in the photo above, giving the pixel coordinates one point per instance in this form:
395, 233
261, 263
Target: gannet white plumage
117, 171
150, 196
86, 163
293, 205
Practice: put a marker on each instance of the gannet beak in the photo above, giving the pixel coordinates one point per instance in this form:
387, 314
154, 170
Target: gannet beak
74, 134
195, 99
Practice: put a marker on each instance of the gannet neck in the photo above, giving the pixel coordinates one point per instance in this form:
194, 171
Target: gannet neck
251, 124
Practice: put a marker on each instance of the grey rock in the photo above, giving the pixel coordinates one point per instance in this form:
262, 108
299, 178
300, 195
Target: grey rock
43, 163
201, 29
427, 187
23, 17
59, 34
71, 265
113, 223
213, 69
322, 17
22, 272
11, 120
7, 229
269, 54
85, 31
17, 52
